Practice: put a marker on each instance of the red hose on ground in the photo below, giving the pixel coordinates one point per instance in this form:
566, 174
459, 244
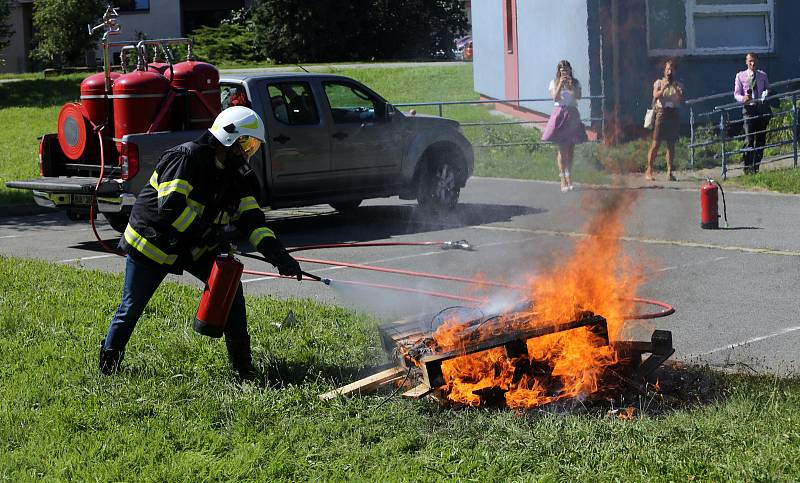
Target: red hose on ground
363, 244
410, 273
383, 286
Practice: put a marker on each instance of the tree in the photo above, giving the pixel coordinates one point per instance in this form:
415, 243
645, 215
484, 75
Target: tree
5, 29
330, 30
60, 36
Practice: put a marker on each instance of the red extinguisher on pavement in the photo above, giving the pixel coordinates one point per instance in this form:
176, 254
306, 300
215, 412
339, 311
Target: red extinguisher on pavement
709, 208
218, 294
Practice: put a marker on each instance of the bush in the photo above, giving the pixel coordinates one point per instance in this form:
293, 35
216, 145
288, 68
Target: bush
329, 30
227, 43
233, 41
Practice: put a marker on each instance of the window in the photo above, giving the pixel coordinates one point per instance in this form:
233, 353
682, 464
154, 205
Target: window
133, 5
292, 103
233, 96
349, 103
707, 27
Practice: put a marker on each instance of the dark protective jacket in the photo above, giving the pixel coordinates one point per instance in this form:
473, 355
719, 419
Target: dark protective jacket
189, 196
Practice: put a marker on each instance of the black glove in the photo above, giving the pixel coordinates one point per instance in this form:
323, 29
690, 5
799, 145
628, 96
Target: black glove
289, 267
211, 236
276, 254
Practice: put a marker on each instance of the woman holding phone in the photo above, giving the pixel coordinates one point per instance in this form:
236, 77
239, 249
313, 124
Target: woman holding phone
564, 127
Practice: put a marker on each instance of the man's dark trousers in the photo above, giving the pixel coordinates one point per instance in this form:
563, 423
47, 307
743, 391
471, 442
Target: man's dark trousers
756, 119
141, 281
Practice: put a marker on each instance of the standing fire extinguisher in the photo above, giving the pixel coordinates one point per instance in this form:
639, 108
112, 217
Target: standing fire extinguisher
709, 211
218, 294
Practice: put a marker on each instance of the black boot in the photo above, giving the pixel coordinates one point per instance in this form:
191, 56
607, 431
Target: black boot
110, 360
240, 358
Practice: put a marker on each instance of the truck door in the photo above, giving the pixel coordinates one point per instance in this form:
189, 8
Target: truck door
298, 143
366, 147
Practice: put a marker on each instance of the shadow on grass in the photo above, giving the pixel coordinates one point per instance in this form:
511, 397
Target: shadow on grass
673, 387
40, 92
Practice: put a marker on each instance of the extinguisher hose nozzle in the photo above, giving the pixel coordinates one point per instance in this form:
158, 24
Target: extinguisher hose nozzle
326, 281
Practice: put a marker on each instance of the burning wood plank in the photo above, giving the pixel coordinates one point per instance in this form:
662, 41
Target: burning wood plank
514, 342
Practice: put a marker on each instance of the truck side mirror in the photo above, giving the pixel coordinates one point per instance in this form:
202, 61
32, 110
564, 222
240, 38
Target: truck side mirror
383, 111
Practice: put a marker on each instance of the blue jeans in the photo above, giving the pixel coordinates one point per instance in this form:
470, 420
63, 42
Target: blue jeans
142, 280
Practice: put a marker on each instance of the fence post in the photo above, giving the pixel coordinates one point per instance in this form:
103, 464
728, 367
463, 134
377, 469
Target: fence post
723, 134
794, 128
441, 110
691, 136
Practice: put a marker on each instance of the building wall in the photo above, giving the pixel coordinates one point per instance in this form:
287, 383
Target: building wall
702, 75
549, 32
487, 38
163, 20
16, 54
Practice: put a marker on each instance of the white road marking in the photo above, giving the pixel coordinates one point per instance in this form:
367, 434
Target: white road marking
746, 342
71, 260
688, 265
649, 241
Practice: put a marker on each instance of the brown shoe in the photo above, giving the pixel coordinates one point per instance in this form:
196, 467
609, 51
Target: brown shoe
648, 175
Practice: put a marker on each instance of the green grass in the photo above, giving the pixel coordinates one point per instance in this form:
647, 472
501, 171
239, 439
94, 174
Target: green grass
173, 414
28, 109
779, 180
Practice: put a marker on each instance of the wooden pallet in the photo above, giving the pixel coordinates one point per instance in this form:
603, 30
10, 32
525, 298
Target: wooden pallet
398, 336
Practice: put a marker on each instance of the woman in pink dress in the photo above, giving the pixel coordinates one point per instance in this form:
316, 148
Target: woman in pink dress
564, 126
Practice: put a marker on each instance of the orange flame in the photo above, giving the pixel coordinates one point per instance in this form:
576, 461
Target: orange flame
595, 277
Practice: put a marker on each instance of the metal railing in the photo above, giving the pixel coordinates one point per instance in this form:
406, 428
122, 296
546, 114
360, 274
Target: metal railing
718, 121
484, 124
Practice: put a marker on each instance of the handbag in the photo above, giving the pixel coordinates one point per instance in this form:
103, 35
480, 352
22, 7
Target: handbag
650, 116
650, 119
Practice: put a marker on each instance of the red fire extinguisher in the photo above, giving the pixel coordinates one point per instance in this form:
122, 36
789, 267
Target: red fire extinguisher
709, 210
215, 304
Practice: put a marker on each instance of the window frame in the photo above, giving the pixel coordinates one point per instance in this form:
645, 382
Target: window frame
692, 9
123, 10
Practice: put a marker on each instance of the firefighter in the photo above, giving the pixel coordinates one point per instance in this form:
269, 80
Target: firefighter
177, 224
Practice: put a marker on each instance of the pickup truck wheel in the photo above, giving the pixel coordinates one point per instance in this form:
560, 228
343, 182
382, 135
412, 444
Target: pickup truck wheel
117, 221
438, 188
346, 207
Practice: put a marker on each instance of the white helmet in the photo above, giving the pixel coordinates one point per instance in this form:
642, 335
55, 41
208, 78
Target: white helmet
235, 122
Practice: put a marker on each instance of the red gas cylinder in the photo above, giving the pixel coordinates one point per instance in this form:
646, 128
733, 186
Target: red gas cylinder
75, 134
94, 100
215, 304
138, 98
709, 211
204, 102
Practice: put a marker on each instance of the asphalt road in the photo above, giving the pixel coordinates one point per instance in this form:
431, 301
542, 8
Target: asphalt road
733, 290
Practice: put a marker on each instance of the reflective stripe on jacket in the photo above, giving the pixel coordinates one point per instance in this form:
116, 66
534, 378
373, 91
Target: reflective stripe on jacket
187, 194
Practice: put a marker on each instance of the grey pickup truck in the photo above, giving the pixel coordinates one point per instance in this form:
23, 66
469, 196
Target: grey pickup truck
330, 140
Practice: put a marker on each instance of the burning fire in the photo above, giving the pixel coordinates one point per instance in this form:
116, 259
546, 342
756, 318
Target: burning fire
595, 277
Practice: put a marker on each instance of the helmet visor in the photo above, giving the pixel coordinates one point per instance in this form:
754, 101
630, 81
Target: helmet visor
249, 145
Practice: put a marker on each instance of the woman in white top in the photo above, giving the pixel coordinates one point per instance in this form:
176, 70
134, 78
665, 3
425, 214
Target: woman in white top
667, 96
564, 126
